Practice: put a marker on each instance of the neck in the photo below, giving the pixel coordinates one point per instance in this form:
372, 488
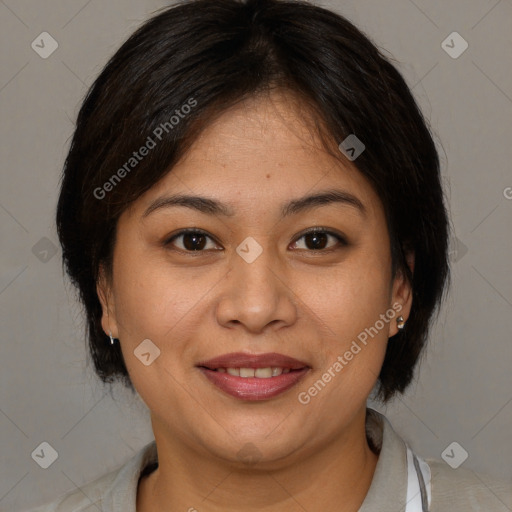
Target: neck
333, 476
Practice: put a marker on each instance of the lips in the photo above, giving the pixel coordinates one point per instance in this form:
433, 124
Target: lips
253, 388
243, 360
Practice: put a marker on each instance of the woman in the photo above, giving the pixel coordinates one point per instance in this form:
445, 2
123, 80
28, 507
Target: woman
251, 210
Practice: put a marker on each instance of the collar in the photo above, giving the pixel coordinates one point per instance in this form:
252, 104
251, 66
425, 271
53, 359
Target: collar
388, 490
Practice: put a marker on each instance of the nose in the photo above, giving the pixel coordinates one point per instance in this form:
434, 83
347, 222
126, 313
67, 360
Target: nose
256, 295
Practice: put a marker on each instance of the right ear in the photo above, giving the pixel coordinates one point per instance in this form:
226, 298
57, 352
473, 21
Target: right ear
106, 297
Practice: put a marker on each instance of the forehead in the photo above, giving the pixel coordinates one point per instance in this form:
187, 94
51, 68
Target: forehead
272, 128
264, 149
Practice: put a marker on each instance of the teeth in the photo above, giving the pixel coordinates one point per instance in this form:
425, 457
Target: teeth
246, 372
263, 373
260, 373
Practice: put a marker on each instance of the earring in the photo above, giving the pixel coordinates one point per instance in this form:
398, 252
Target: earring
400, 323
111, 339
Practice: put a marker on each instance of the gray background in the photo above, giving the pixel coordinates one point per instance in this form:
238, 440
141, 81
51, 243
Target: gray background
48, 391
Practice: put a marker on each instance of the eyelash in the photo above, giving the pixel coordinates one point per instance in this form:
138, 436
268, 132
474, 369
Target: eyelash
316, 230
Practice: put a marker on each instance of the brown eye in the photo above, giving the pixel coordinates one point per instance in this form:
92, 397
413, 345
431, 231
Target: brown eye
318, 239
192, 240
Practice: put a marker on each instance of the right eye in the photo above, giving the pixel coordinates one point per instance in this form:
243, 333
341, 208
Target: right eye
193, 240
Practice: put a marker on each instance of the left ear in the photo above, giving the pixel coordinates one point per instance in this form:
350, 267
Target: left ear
401, 296
105, 296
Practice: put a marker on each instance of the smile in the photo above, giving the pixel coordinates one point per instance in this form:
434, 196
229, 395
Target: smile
254, 384
260, 373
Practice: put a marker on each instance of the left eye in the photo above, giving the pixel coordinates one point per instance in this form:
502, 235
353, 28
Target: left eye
317, 239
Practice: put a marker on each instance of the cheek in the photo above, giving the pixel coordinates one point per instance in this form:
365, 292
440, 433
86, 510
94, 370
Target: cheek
350, 296
352, 349
347, 303
163, 304
152, 300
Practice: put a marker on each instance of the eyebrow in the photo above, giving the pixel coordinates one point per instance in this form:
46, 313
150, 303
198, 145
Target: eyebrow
213, 207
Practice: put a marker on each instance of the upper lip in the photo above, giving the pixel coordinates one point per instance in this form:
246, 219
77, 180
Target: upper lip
244, 360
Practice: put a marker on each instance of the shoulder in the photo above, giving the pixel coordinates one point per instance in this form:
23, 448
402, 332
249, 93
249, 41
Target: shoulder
115, 490
463, 489
87, 498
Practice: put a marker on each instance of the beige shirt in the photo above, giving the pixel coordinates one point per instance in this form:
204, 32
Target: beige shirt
452, 490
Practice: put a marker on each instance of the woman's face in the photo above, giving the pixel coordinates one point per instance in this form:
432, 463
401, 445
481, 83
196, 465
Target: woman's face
254, 282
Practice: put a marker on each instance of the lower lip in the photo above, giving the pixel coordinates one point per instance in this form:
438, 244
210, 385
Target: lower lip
253, 388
